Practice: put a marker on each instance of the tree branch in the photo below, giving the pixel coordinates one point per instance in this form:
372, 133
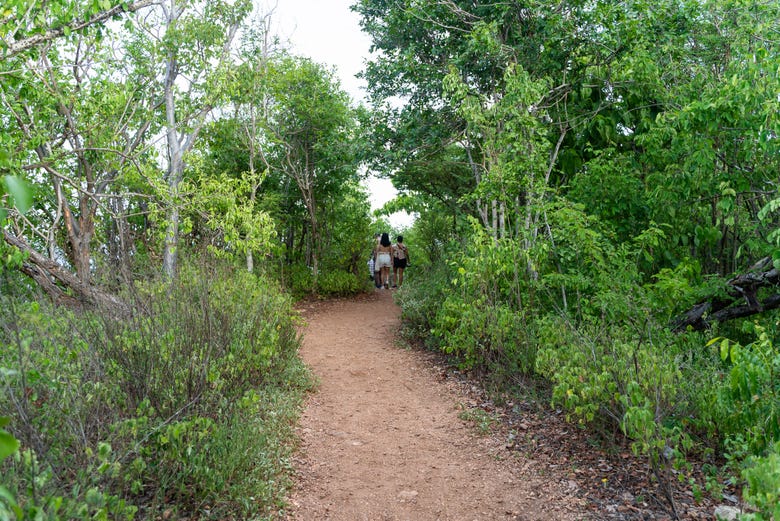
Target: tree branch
24, 44
51, 276
744, 288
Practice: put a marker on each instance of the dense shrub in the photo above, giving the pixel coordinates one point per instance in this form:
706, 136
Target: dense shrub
480, 317
749, 403
340, 283
421, 296
298, 279
182, 404
762, 475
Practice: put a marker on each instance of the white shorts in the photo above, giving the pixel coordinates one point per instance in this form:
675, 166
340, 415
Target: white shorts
383, 261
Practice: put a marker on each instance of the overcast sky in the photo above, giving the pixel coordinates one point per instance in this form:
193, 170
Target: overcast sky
329, 33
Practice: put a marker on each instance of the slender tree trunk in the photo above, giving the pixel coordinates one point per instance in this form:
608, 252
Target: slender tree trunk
119, 240
179, 141
250, 261
175, 166
494, 221
482, 210
502, 219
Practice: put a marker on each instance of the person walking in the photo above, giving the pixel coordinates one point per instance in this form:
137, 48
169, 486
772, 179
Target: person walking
377, 273
400, 260
383, 254
371, 267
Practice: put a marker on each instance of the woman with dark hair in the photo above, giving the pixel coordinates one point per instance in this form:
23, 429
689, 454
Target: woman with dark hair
384, 259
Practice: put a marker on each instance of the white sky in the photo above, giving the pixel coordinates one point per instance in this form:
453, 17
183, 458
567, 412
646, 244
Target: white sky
329, 33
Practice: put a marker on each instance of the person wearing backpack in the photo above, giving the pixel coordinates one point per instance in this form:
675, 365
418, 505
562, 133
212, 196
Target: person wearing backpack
400, 260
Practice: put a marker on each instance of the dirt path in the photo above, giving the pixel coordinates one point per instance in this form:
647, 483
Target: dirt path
381, 437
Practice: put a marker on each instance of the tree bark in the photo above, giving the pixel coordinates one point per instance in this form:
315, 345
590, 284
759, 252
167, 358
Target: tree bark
742, 288
55, 280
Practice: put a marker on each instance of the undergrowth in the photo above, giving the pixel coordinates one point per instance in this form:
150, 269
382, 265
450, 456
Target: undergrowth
182, 405
584, 316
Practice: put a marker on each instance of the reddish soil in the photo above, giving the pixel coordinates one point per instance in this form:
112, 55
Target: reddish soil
382, 438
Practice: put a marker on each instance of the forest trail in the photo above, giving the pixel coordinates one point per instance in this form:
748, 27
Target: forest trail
382, 440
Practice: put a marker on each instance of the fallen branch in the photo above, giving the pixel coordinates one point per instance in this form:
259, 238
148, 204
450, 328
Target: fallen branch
59, 283
742, 288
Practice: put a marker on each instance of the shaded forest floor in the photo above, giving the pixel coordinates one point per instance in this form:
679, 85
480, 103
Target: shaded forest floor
397, 434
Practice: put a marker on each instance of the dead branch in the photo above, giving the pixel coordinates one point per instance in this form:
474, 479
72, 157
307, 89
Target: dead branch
740, 299
59, 283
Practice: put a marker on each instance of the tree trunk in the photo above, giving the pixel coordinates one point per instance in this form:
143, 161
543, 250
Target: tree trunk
175, 169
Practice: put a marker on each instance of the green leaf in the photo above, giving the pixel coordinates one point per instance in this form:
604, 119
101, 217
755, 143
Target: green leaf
8, 445
6, 496
21, 195
770, 207
727, 351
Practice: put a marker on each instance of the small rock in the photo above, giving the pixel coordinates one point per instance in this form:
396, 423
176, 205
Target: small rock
407, 495
726, 513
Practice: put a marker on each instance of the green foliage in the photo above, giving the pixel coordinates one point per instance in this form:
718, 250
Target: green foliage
8, 444
18, 194
188, 396
480, 318
622, 164
762, 476
349, 238
749, 403
613, 192
298, 279
45, 498
235, 224
340, 283
420, 299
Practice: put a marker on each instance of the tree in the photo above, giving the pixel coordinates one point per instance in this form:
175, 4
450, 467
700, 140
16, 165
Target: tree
310, 125
192, 40
78, 131
250, 104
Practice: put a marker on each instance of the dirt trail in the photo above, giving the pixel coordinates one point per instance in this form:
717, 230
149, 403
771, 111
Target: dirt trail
381, 437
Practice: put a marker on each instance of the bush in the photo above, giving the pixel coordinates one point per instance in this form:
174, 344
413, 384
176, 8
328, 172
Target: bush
185, 401
762, 475
340, 283
298, 279
749, 405
420, 299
